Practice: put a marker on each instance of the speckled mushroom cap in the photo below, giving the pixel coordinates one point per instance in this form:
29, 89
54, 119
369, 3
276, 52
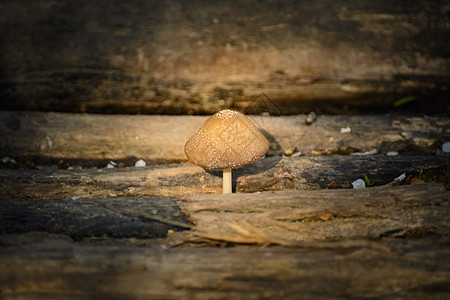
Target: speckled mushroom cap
228, 139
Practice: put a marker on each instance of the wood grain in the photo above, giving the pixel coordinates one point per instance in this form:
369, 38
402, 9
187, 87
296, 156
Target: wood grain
338, 270
287, 217
200, 56
270, 173
281, 217
160, 139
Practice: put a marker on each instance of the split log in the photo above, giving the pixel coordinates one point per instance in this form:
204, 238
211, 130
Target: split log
338, 270
270, 173
159, 139
201, 56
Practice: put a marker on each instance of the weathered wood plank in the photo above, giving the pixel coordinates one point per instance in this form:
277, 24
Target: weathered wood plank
96, 137
162, 138
282, 217
270, 173
287, 217
78, 218
411, 269
201, 56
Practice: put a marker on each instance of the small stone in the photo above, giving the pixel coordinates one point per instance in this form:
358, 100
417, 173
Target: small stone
346, 130
446, 147
310, 118
140, 163
368, 152
359, 184
392, 153
111, 165
401, 177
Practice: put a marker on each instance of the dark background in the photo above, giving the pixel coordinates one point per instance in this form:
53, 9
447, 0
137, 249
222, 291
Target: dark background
197, 57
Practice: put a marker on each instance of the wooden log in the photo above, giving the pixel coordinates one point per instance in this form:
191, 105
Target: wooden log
96, 137
78, 218
287, 217
399, 269
159, 139
199, 57
282, 217
270, 173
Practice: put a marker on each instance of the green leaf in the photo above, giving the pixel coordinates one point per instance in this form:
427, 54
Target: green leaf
368, 181
404, 100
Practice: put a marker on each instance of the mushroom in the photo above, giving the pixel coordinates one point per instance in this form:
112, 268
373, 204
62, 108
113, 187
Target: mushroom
227, 140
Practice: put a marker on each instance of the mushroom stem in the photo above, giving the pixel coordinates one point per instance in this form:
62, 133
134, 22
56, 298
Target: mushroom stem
227, 188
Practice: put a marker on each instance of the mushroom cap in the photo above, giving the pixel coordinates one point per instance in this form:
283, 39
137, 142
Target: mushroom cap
228, 139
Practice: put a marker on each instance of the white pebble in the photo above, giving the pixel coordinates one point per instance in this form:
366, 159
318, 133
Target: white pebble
311, 118
446, 147
392, 153
346, 130
369, 152
74, 198
140, 163
111, 165
359, 184
401, 177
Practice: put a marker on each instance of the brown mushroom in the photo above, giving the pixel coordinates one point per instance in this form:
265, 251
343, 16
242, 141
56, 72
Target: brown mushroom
227, 140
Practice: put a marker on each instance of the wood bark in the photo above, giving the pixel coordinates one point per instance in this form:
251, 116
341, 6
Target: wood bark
287, 217
201, 56
271, 173
291, 238
80, 218
282, 217
334, 270
388, 242
160, 139
294, 229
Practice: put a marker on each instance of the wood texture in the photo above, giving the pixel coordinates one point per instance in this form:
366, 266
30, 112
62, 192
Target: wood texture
105, 233
201, 56
271, 173
160, 139
80, 218
282, 217
339, 270
392, 242
287, 217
